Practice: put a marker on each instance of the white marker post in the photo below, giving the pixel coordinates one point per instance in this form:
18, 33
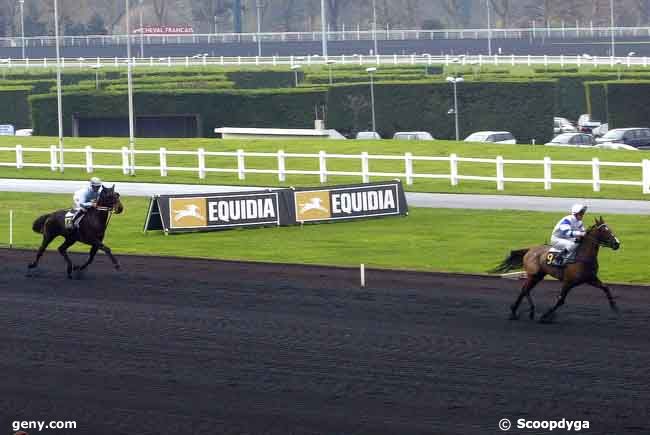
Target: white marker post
362, 269
11, 228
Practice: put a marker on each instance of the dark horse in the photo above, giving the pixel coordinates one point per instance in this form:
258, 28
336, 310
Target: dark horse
91, 229
583, 271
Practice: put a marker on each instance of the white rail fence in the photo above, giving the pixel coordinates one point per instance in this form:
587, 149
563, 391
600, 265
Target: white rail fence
346, 33
480, 60
322, 157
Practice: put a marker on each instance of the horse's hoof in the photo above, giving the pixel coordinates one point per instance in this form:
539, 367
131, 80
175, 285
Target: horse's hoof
76, 268
531, 315
614, 308
118, 267
513, 316
69, 276
31, 265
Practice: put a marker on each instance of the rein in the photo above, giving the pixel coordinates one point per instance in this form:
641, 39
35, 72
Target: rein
598, 241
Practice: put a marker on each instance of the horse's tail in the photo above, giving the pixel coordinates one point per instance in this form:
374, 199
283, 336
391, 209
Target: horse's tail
514, 261
39, 223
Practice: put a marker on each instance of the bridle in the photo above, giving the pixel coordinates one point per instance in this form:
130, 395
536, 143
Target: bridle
597, 240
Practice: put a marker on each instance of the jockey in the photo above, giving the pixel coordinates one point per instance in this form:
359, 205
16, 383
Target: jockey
86, 198
568, 230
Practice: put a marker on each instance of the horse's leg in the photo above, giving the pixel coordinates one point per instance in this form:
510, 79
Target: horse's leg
531, 310
47, 239
531, 281
550, 314
91, 257
599, 284
63, 250
108, 252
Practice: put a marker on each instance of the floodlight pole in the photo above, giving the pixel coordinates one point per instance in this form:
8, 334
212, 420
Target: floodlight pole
611, 30
59, 102
22, 27
323, 21
130, 91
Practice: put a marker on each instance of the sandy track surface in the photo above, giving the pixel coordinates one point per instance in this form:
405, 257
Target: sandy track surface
173, 346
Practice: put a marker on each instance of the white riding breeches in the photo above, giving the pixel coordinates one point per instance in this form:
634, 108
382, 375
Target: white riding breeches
568, 244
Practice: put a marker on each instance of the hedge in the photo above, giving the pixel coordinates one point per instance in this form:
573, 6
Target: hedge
14, 107
627, 103
596, 96
278, 108
524, 108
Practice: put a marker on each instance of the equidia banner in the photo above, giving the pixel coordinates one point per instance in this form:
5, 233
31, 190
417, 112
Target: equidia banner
207, 212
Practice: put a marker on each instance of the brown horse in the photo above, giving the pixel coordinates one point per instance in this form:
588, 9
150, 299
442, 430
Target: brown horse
583, 271
91, 231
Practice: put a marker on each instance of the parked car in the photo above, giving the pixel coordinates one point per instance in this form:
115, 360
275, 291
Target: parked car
492, 136
412, 135
563, 125
573, 140
368, 135
636, 137
586, 123
24, 132
600, 131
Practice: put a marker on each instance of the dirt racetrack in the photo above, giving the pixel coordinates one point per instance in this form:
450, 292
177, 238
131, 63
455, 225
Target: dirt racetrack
172, 346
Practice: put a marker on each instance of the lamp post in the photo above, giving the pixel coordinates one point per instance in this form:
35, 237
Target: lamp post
371, 71
611, 30
141, 31
22, 26
59, 103
374, 26
130, 91
323, 24
295, 69
259, 29
454, 81
329, 63
487, 5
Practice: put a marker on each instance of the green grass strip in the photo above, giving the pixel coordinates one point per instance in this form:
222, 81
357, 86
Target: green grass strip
427, 239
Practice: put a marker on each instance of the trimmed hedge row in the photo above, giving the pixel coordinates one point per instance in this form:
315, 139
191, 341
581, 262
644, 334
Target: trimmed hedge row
216, 108
627, 103
524, 108
14, 106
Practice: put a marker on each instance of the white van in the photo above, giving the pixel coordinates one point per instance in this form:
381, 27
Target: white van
492, 136
412, 135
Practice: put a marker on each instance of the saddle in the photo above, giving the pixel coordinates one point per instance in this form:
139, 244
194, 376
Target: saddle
559, 257
70, 219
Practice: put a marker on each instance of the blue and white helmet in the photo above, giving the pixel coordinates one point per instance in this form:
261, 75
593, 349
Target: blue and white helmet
95, 182
578, 208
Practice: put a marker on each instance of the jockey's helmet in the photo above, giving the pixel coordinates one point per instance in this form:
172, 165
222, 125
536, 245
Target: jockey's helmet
578, 208
95, 183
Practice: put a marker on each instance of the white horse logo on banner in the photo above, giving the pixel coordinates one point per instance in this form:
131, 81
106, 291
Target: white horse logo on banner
190, 210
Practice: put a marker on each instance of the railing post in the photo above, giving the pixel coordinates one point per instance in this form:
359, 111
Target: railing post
453, 167
646, 176
125, 161
408, 168
19, 156
53, 158
89, 159
595, 171
547, 173
281, 167
322, 166
241, 167
163, 162
500, 176
364, 167
201, 157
